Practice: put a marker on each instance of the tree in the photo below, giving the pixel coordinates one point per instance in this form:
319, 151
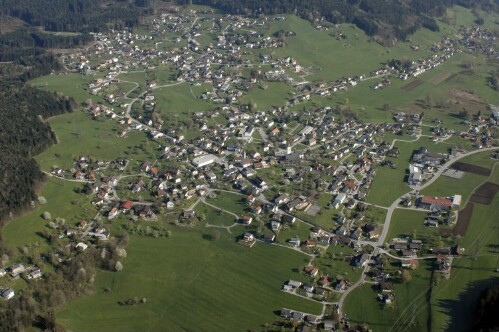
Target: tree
118, 266
215, 235
428, 101
406, 276
386, 107
46, 215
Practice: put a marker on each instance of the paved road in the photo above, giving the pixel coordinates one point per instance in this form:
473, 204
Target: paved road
389, 214
450, 162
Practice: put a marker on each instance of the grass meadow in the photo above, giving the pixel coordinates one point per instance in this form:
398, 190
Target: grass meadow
194, 284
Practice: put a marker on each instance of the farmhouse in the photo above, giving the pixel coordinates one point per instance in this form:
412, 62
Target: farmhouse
435, 203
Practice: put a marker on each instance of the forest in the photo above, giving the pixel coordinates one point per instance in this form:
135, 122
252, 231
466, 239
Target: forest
386, 18
74, 15
23, 108
24, 134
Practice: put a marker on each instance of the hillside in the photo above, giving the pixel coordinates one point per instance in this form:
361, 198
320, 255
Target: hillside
389, 21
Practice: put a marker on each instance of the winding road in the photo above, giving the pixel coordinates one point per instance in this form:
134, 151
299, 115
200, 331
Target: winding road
389, 214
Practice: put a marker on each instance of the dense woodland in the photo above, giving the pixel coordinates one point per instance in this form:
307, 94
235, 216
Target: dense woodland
24, 134
388, 19
74, 15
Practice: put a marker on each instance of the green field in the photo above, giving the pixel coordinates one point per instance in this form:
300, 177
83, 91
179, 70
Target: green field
363, 307
177, 100
191, 284
389, 183
213, 217
62, 202
79, 135
405, 222
453, 300
234, 203
269, 94
72, 85
446, 186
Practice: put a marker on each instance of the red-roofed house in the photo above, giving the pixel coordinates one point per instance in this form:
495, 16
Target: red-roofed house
126, 205
439, 203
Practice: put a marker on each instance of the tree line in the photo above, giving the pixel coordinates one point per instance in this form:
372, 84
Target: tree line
74, 15
24, 134
35, 305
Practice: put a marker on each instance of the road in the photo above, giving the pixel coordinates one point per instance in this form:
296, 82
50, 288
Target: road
389, 214
447, 164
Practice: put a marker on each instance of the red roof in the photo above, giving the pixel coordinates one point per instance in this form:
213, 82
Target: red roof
127, 205
441, 201
350, 184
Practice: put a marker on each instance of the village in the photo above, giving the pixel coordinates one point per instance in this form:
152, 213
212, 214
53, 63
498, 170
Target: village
281, 163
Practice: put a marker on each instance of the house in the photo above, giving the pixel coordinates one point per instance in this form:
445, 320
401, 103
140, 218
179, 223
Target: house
409, 263
282, 199
386, 298
415, 175
7, 293
16, 269
294, 283
386, 286
288, 219
286, 313
295, 241
374, 234
329, 325
311, 270
313, 319
435, 203
361, 260
35, 274
248, 237
275, 225
246, 220
324, 281
340, 198
269, 238
298, 316
126, 206
340, 285
308, 288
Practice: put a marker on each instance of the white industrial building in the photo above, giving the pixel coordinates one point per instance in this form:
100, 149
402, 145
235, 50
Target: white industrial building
204, 160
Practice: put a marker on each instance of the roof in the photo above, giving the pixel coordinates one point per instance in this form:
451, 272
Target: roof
126, 204
436, 201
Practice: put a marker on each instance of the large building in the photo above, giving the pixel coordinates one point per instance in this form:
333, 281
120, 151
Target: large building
435, 203
204, 160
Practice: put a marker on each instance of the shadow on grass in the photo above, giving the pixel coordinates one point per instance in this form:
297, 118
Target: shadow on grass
461, 310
